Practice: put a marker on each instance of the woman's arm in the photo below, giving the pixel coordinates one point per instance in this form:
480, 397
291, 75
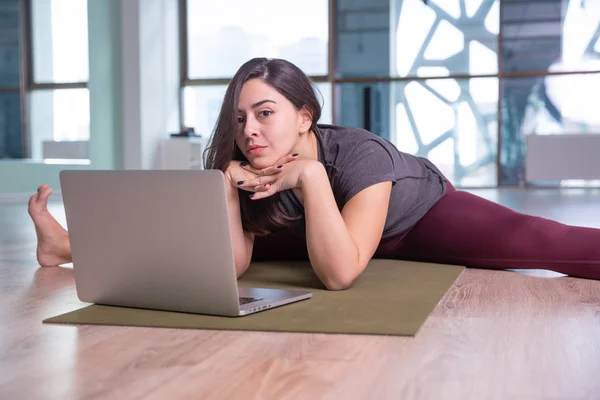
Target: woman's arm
340, 245
237, 174
243, 242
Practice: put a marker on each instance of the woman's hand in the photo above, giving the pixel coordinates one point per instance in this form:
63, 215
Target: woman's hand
239, 173
271, 180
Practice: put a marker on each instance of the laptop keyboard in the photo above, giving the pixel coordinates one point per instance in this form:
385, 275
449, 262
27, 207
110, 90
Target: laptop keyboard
246, 300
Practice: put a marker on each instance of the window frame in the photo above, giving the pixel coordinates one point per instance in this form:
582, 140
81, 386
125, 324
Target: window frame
27, 77
334, 80
186, 81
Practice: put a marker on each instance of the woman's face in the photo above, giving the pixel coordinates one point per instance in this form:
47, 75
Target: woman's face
268, 124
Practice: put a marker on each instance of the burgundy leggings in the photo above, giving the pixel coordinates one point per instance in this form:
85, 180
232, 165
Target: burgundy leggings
465, 229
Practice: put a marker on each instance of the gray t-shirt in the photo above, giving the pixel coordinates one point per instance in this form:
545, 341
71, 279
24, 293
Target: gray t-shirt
356, 159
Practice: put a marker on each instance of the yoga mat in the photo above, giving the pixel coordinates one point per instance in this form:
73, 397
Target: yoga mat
391, 297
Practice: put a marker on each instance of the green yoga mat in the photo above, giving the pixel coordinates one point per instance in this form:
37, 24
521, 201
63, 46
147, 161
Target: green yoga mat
390, 298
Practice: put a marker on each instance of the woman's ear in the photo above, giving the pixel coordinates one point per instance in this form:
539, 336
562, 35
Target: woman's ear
305, 119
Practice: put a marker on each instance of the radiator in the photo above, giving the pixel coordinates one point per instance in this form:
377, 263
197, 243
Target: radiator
66, 149
558, 157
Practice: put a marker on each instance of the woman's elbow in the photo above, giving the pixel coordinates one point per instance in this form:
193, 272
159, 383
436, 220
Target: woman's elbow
338, 282
241, 268
340, 277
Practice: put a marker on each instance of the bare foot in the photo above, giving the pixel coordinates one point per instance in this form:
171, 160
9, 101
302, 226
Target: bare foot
53, 247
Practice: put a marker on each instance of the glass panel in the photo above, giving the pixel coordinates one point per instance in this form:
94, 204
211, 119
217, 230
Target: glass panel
550, 105
366, 106
10, 125
424, 38
551, 35
324, 93
451, 122
201, 106
363, 38
220, 41
9, 43
60, 41
60, 123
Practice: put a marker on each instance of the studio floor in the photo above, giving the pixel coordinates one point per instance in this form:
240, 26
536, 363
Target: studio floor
495, 335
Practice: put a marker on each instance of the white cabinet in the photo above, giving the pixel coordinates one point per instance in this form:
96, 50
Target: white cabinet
183, 153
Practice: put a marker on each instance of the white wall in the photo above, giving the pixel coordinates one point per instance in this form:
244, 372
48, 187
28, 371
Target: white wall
150, 79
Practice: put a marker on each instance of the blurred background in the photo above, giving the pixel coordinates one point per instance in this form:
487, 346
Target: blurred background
495, 92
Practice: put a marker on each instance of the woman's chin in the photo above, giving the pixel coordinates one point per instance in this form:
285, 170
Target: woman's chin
261, 163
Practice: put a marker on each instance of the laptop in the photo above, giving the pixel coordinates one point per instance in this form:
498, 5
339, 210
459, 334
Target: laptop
158, 239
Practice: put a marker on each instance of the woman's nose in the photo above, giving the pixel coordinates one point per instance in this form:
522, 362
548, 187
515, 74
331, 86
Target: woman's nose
251, 127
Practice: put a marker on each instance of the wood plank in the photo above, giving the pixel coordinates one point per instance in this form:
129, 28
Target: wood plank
495, 335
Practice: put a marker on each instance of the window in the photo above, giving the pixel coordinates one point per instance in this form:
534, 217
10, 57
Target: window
548, 50
452, 122
550, 36
436, 76
58, 118
461, 82
10, 89
10, 124
545, 105
423, 74
220, 41
417, 38
59, 98
59, 41
44, 100
202, 105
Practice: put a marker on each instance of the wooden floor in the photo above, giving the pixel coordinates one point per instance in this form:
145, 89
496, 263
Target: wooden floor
495, 335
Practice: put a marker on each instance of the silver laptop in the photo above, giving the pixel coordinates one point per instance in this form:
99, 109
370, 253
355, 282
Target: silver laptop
158, 240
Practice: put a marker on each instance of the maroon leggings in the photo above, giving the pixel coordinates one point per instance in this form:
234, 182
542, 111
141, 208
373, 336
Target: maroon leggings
465, 229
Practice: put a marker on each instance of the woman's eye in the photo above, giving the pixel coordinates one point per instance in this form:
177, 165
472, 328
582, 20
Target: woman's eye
265, 113
241, 120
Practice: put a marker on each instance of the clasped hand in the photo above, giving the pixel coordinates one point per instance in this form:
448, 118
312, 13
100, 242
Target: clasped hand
284, 174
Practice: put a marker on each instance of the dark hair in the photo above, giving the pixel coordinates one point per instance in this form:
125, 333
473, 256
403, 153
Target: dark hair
259, 216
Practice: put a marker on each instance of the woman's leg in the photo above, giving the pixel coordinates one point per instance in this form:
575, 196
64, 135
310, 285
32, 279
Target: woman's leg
53, 247
468, 230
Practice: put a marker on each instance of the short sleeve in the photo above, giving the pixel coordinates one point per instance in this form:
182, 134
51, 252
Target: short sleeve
369, 163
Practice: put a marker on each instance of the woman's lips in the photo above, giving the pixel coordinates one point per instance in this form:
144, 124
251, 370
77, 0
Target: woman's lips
256, 150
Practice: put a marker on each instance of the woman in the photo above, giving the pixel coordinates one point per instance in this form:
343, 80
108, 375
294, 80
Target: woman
340, 196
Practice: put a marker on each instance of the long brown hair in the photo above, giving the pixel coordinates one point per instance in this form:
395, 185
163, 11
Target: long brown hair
259, 216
